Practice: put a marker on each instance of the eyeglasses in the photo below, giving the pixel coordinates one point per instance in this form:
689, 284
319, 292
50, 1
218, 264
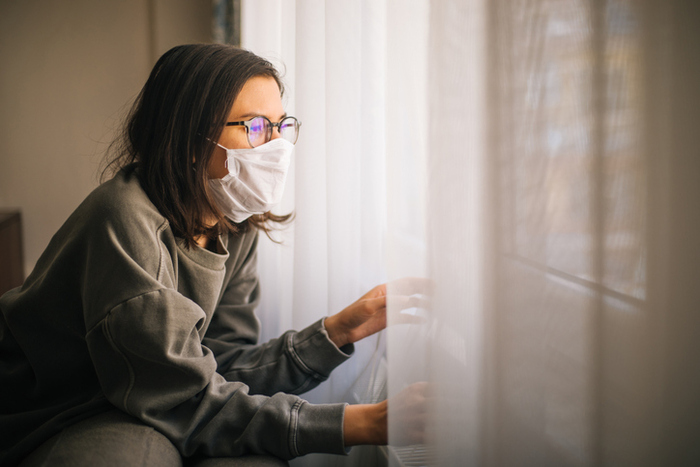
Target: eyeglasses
259, 129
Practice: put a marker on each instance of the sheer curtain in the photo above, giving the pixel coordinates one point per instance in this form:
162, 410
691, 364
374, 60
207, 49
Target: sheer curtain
562, 233
537, 160
331, 55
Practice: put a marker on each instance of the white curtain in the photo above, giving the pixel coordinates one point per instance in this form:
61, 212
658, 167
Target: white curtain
332, 58
539, 161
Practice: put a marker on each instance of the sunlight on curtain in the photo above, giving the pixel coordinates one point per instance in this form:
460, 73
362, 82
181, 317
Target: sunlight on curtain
563, 306
570, 253
332, 58
447, 349
538, 161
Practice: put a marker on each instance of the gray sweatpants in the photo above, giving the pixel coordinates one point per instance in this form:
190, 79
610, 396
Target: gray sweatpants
116, 439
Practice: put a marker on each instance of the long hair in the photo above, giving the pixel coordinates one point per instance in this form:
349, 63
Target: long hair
169, 131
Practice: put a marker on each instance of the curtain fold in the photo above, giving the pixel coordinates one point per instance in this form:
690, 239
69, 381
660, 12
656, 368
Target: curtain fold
561, 314
331, 55
538, 161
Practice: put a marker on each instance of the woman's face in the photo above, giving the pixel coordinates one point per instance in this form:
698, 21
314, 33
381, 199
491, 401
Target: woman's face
260, 96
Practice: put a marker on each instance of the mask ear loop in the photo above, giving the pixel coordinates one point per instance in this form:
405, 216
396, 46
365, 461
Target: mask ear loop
222, 147
226, 161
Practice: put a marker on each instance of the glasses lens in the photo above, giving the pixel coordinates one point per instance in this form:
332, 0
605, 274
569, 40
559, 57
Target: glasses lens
258, 131
289, 129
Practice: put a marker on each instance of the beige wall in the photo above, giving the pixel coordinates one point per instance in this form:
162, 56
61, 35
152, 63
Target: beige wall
68, 72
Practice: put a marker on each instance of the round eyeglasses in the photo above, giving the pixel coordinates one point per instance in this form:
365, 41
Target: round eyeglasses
259, 129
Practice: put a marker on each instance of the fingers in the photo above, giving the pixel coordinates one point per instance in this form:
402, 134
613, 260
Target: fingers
411, 286
407, 293
408, 287
368, 314
423, 388
407, 310
408, 414
376, 292
404, 286
396, 304
417, 393
370, 310
373, 305
403, 302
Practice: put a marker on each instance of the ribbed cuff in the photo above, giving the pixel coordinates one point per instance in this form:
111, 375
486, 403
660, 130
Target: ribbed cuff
316, 352
319, 428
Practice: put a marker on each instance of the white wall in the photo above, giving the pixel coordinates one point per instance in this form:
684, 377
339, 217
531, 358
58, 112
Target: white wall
68, 72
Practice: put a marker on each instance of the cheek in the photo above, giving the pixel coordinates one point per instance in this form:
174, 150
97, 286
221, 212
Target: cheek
217, 164
234, 138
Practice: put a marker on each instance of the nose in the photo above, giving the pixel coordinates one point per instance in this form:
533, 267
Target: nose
275, 131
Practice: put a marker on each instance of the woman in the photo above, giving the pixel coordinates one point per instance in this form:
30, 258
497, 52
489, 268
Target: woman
139, 314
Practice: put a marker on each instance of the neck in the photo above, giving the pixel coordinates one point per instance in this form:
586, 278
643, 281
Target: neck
206, 242
202, 240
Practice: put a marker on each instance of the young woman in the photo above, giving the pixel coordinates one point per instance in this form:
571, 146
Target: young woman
134, 339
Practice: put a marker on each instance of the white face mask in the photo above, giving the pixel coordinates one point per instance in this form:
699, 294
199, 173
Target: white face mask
255, 180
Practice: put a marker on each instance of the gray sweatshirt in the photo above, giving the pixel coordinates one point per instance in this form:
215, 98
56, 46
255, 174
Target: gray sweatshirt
118, 313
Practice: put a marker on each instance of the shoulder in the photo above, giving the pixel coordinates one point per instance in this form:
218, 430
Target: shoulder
117, 220
114, 246
122, 203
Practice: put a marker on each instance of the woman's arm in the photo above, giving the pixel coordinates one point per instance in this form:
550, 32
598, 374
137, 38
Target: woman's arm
362, 318
147, 304
367, 423
293, 363
151, 364
368, 314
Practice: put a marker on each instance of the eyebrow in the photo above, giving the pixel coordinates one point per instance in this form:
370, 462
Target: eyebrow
253, 114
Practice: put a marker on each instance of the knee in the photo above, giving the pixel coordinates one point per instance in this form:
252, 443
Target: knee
111, 438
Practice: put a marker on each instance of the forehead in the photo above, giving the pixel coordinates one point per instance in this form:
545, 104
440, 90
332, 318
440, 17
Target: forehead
260, 95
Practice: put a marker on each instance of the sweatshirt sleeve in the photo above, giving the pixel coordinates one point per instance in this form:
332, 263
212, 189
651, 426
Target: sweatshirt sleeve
149, 359
294, 363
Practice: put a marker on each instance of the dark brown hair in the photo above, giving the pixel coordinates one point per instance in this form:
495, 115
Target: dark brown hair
169, 131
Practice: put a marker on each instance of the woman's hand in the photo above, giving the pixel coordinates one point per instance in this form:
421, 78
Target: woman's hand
408, 411
359, 320
367, 423
368, 314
